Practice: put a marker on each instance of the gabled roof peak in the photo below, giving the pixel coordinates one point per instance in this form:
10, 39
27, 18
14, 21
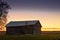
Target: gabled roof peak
22, 23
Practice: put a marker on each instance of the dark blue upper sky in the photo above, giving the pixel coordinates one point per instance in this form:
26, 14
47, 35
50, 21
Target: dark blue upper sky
38, 4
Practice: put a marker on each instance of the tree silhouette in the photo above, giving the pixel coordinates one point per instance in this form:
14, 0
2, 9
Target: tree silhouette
4, 7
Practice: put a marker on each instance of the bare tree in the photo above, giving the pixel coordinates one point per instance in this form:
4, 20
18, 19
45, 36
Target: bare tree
4, 7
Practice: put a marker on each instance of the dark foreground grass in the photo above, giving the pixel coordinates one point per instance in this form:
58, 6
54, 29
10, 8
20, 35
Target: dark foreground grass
30, 37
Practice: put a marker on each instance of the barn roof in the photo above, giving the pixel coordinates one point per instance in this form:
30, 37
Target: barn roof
21, 23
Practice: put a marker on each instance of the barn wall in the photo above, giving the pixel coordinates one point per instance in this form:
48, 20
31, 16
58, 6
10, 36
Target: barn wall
20, 30
10, 30
30, 29
14, 30
37, 29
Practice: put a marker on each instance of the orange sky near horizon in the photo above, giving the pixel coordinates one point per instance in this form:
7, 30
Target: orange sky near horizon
47, 19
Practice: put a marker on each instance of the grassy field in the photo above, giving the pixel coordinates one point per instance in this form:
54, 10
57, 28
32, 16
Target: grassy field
43, 36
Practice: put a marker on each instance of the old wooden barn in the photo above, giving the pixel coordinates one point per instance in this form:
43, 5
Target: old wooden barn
23, 27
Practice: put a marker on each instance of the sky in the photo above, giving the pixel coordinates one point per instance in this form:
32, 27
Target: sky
46, 11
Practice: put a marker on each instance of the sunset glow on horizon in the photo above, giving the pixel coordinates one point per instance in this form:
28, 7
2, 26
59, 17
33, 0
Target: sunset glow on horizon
47, 12
47, 20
